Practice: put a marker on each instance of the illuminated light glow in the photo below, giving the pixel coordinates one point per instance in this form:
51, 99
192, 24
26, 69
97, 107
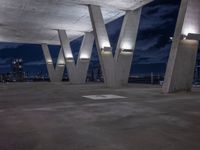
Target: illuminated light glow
189, 29
84, 56
126, 45
61, 63
69, 56
106, 44
49, 61
126, 48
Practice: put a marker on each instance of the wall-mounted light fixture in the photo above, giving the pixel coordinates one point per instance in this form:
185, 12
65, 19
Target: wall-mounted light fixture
49, 61
126, 51
61, 63
106, 50
69, 59
192, 36
68, 55
105, 44
84, 59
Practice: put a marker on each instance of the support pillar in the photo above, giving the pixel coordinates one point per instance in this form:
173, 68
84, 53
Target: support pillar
116, 68
180, 68
55, 73
77, 71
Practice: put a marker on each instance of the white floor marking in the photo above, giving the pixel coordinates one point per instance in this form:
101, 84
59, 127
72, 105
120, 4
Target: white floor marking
106, 96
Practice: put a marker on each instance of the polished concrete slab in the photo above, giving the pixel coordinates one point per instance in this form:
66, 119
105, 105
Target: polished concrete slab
51, 116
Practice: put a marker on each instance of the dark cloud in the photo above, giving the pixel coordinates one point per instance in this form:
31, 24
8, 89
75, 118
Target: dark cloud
157, 25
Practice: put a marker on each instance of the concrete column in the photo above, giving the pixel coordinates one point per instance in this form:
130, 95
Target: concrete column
116, 68
77, 72
182, 59
55, 73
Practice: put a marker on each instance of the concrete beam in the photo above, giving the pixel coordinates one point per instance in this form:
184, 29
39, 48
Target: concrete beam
181, 63
115, 69
77, 72
55, 73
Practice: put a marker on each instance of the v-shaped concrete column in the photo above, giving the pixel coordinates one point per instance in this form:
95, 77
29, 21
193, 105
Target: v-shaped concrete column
115, 69
77, 72
55, 73
182, 59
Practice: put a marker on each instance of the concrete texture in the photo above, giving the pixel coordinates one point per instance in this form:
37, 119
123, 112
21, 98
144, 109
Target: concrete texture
39, 116
181, 63
55, 72
36, 21
192, 18
115, 69
183, 70
77, 71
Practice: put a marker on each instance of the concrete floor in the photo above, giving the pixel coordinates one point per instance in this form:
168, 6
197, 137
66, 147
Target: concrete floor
44, 116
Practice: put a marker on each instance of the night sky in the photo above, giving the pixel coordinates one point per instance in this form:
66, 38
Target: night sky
157, 24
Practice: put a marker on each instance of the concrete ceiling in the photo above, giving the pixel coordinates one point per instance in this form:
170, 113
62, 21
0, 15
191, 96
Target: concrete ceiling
36, 21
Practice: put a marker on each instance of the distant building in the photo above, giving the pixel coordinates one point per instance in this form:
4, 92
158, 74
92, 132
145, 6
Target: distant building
17, 70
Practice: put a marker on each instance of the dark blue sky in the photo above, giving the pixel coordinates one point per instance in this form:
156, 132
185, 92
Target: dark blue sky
152, 48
